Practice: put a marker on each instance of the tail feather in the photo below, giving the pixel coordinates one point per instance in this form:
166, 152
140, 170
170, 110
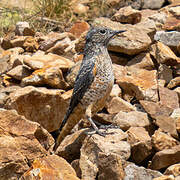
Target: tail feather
70, 120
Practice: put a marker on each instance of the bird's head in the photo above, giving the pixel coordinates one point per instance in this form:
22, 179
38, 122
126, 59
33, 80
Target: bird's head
101, 35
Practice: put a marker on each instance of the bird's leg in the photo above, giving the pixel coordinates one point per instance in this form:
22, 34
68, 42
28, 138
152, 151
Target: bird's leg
88, 116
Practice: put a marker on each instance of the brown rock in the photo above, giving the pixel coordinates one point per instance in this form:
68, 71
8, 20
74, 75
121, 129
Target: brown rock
164, 178
18, 41
161, 140
131, 119
20, 26
172, 23
21, 142
116, 91
166, 157
65, 47
168, 98
127, 15
174, 82
75, 165
28, 102
167, 124
40, 61
52, 38
110, 165
164, 55
15, 51
51, 76
117, 104
80, 8
4, 64
19, 72
165, 73
50, 167
141, 61
135, 172
140, 142
140, 83
156, 109
70, 147
4, 94
176, 116
131, 42
174, 170
78, 28
111, 143
31, 44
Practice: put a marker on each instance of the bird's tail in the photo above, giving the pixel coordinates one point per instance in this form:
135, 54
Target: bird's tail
70, 120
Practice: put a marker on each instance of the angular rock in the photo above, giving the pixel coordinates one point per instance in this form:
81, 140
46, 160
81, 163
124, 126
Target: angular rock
41, 105
52, 38
18, 41
4, 94
172, 24
161, 141
95, 144
133, 171
127, 15
165, 178
165, 73
176, 116
19, 72
51, 76
75, 165
174, 170
70, 147
40, 61
168, 98
31, 44
50, 167
65, 47
140, 83
140, 142
167, 124
164, 55
174, 82
4, 64
116, 91
153, 4
131, 119
117, 104
78, 28
166, 157
141, 61
131, 42
110, 165
156, 109
170, 39
20, 26
21, 142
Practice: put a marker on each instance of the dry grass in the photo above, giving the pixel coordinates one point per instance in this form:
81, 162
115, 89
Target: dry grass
59, 10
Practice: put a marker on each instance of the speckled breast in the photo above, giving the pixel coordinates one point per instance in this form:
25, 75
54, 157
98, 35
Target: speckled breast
102, 84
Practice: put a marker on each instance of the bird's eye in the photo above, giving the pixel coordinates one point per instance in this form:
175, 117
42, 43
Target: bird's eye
102, 31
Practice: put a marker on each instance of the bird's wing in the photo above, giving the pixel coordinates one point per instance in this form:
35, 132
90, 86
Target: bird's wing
83, 80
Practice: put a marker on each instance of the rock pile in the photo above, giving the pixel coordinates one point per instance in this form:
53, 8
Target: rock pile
37, 76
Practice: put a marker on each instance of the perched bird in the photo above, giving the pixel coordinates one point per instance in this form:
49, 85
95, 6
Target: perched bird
93, 83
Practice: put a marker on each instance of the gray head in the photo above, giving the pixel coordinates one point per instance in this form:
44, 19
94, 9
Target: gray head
100, 36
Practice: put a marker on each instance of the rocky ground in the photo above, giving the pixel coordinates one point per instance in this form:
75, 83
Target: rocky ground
37, 76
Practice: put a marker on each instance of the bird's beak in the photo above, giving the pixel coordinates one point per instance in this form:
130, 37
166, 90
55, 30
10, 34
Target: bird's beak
118, 32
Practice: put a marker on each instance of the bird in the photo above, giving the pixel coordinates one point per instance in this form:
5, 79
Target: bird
93, 83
